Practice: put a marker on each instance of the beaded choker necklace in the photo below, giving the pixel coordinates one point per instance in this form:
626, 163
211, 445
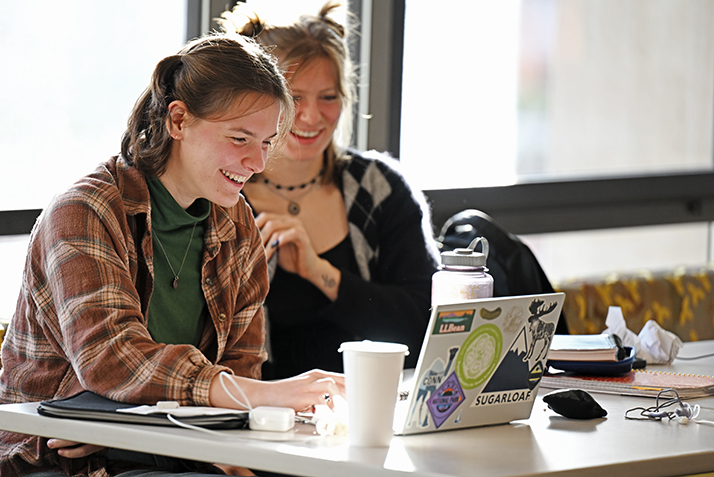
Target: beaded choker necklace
305, 188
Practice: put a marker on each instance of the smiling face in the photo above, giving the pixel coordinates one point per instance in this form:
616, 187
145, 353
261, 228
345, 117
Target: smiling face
213, 159
318, 107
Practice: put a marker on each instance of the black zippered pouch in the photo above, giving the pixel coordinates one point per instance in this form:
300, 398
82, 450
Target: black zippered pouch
91, 406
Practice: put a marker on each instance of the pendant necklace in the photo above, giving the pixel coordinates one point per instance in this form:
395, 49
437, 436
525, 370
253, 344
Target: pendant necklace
293, 206
175, 283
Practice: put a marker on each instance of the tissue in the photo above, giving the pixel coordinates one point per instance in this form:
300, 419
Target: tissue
616, 325
654, 344
662, 345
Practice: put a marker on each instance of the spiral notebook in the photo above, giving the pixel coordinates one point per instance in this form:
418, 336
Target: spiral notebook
639, 382
480, 364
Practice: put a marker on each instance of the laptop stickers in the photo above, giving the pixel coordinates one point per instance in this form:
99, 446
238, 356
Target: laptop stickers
481, 362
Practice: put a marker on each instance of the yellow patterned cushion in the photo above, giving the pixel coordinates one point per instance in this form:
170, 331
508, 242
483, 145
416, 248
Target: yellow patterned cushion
681, 301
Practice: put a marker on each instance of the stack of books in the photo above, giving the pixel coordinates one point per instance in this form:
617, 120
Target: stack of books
603, 347
601, 355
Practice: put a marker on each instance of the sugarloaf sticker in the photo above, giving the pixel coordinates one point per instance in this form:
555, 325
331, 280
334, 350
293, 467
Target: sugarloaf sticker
454, 322
479, 355
445, 400
513, 381
507, 397
512, 372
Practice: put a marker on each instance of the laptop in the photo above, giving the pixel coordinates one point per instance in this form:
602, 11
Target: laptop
480, 364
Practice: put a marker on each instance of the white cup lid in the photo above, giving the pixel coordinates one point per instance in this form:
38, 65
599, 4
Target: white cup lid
367, 346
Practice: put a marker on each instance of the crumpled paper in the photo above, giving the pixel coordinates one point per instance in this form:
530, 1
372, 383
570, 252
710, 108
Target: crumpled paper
654, 344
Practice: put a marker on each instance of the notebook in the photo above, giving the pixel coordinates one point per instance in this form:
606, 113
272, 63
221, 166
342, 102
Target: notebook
480, 364
640, 382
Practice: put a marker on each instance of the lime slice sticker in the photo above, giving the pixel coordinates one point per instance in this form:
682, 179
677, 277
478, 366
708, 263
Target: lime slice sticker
479, 355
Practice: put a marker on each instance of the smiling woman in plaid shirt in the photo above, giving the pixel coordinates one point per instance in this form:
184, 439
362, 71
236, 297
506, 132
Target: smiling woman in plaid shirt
146, 279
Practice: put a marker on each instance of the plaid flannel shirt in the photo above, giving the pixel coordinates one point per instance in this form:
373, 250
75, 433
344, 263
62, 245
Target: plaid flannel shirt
80, 321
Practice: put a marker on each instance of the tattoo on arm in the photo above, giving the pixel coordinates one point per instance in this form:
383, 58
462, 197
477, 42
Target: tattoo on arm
329, 282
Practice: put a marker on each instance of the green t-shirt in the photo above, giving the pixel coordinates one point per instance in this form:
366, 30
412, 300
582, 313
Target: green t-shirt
177, 315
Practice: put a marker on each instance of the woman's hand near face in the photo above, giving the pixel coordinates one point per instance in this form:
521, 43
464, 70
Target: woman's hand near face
286, 235
71, 449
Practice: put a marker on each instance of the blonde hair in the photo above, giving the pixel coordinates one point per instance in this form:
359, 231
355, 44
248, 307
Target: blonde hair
298, 43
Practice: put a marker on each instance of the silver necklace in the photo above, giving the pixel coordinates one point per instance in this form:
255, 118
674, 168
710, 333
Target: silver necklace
175, 283
293, 206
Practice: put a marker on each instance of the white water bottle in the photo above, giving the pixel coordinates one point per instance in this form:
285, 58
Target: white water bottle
462, 275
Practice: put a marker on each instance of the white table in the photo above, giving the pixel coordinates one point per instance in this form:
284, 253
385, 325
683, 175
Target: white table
543, 445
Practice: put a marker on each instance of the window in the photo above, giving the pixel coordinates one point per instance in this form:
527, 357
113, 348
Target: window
459, 117
533, 89
72, 72
530, 93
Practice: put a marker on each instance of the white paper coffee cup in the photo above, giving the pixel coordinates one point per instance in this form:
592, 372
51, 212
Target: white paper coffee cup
372, 373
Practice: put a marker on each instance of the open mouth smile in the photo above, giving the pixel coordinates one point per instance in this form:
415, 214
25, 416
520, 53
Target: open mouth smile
304, 134
235, 177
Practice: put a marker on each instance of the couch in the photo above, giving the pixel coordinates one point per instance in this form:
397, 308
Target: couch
681, 301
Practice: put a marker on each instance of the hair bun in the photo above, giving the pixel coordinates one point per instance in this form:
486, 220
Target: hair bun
241, 20
325, 13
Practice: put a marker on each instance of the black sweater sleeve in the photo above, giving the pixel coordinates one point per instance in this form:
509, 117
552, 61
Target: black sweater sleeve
394, 304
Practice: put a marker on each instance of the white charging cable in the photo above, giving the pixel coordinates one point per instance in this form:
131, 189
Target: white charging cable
222, 376
195, 428
263, 418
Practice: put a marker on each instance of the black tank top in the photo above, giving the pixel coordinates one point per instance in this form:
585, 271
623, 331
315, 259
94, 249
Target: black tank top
302, 337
